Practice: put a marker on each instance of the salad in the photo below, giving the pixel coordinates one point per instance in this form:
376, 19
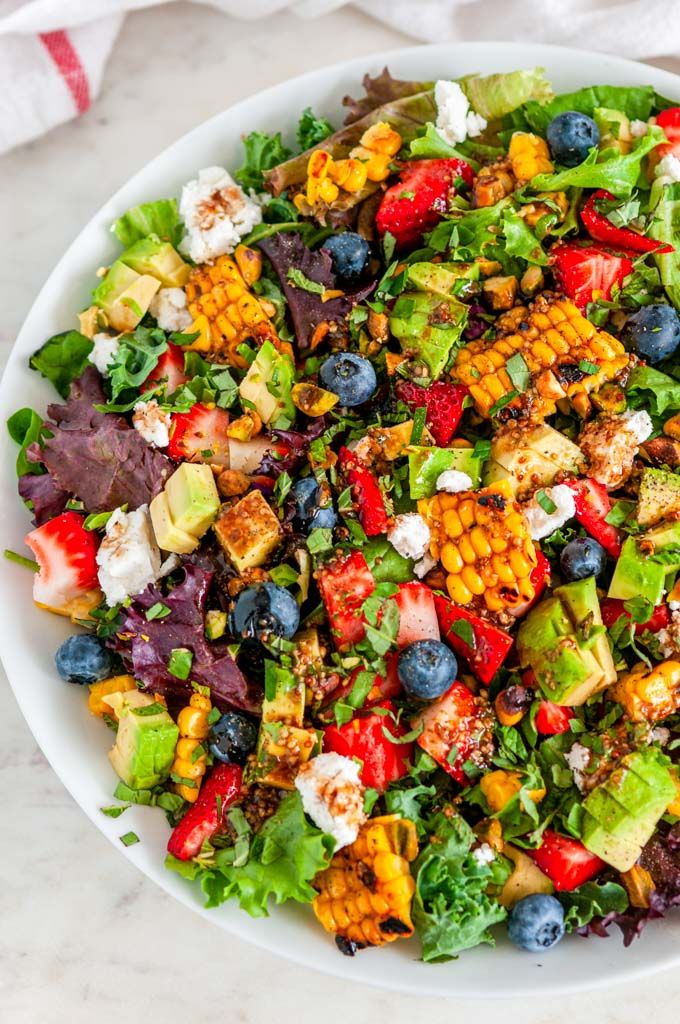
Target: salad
363, 489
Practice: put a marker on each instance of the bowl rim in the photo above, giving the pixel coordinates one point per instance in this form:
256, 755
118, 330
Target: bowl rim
241, 925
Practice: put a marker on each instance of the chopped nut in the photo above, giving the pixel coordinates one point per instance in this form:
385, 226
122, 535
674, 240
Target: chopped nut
532, 281
230, 483
377, 324
500, 292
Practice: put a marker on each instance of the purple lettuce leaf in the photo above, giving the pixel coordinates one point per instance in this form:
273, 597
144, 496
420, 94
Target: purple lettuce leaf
378, 91
47, 498
286, 251
146, 646
297, 441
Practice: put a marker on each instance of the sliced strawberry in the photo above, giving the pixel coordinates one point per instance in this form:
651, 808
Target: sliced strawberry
345, 583
587, 272
206, 816
612, 610
169, 368
565, 861
417, 613
490, 645
443, 401
366, 493
66, 554
452, 728
384, 687
593, 505
669, 120
420, 199
374, 740
552, 719
200, 435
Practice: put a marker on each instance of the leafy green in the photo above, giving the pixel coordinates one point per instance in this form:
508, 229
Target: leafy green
158, 218
62, 359
494, 96
284, 857
25, 426
521, 241
608, 169
452, 907
665, 227
138, 354
592, 899
312, 130
650, 389
263, 151
634, 101
432, 146
411, 803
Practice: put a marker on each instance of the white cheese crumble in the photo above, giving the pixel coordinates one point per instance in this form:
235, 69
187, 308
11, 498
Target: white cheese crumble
410, 536
426, 563
453, 480
483, 854
455, 120
660, 734
638, 128
128, 557
668, 169
578, 759
333, 796
216, 213
611, 443
169, 307
104, 351
668, 638
542, 523
152, 422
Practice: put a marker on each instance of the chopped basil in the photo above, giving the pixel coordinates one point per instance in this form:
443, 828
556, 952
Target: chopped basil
115, 810
157, 611
419, 416
214, 716
518, 372
180, 662
482, 450
408, 737
320, 540
129, 839
181, 780
502, 402
585, 366
27, 563
147, 710
100, 519
546, 502
463, 629
298, 280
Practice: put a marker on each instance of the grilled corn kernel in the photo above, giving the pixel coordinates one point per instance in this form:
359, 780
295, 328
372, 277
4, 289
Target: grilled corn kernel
529, 155
349, 175
465, 529
114, 684
377, 164
190, 762
559, 347
365, 894
382, 138
500, 786
225, 312
649, 694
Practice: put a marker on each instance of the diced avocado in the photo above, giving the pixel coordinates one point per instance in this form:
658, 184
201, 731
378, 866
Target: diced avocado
284, 695
428, 327
125, 296
621, 813
168, 536
385, 562
283, 743
659, 496
249, 531
146, 739
192, 497
530, 457
525, 880
667, 535
635, 575
268, 385
563, 640
614, 129
159, 259
442, 278
425, 465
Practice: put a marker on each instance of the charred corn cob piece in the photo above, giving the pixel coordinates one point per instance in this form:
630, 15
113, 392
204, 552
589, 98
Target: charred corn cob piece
529, 155
190, 761
483, 542
225, 311
566, 355
649, 694
365, 894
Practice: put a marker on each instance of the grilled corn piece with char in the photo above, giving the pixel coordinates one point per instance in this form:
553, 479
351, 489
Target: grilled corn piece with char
365, 893
483, 542
193, 725
529, 155
649, 694
566, 356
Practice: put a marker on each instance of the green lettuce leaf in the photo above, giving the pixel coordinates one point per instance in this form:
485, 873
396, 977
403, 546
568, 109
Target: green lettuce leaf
62, 359
263, 151
592, 899
634, 101
452, 908
494, 96
521, 241
25, 426
137, 356
650, 389
312, 130
616, 172
158, 218
665, 227
431, 146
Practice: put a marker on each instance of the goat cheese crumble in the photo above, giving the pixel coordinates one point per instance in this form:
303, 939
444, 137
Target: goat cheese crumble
455, 120
426, 563
410, 536
333, 796
578, 759
104, 351
638, 128
453, 480
542, 523
216, 213
611, 443
668, 638
668, 169
152, 422
128, 557
169, 307
483, 854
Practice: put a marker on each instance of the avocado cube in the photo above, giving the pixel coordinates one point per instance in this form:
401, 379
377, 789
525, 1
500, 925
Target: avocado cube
192, 498
158, 259
608, 811
284, 695
125, 296
531, 456
428, 327
614, 129
635, 575
442, 278
648, 767
665, 536
658, 497
168, 536
268, 385
619, 851
425, 465
146, 739
249, 531
281, 751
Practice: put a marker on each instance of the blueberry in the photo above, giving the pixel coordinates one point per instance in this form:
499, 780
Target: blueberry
349, 253
350, 377
426, 669
323, 518
232, 738
653, 332
581, 558
307, 494
570, 136
264, 611
536, 923
83, 659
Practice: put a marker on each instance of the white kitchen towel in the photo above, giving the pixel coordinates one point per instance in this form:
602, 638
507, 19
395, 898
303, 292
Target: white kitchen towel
53, 52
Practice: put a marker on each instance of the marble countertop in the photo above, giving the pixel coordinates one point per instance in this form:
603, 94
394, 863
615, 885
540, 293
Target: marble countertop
84, 937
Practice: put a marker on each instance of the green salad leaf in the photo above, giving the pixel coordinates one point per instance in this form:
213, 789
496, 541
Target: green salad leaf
25, 426
137, 356
263, 151
653, 390
592, 899
494, 96
312, 130
521, 241
432, 146
158, 218
62, 359
607, 169
637, 102
665, 227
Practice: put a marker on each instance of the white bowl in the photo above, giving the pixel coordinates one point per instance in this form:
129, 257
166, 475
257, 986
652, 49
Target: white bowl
76, 745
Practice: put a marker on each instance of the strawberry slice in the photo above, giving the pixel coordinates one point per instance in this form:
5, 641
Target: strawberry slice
565, 861
345, 583
552, 719
587, 272
488, 646
452, 728
420, 199
612, 609
169, 368
66, 554
200, 435
417, 613
206, 816
443, 401
593, 505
